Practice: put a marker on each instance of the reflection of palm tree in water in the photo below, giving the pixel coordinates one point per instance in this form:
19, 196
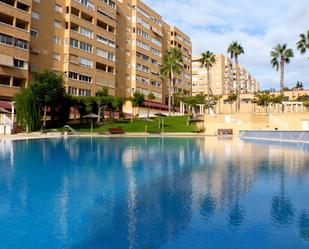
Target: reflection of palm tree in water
282, 210
237, 212
304, 226
208, 204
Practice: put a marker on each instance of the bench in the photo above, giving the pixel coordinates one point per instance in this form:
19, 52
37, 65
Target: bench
116, 131
225, 132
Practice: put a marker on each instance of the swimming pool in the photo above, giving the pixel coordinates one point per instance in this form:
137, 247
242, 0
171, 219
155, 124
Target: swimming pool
148, 193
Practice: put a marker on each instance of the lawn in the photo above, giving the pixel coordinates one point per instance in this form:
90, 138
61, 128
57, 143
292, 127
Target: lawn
171, 124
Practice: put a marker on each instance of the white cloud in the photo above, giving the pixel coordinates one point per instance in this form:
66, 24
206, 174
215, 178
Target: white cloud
258, 25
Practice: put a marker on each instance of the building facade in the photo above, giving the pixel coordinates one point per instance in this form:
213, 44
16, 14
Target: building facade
93, 43
222, 77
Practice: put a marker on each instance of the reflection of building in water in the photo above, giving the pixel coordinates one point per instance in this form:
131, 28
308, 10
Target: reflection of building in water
7, 150
226, 180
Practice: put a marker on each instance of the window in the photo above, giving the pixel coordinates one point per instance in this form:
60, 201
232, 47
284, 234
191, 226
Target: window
86, 32
58, 8
154, 62
85, 78
111, 56
106, 41
104, 54
74, 43
73, 75
6, 39
142, 33
143, 12
142, 79
35, 15
142, 56
156, 52
86, 3
143, 23
21, 43
34, 32
142, 68
84, 92
20, 63
72, 90
142, 45
101, 53
56, 56
155, 41
57, 40
85, 62
57, 24
110, 3
85, 47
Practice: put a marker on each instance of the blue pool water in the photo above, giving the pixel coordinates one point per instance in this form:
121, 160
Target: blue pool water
171, 193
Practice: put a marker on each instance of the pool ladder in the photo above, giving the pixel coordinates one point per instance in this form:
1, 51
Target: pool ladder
71, 129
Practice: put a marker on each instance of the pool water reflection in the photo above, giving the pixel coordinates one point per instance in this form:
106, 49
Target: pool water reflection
148, 193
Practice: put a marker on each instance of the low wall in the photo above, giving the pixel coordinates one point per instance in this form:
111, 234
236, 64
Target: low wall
288, 136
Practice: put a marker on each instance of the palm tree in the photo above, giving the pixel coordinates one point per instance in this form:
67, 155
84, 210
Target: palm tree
280, 56
207, 61
137, 101
232, 98
171, 66
235, 49
150, 96
303, 43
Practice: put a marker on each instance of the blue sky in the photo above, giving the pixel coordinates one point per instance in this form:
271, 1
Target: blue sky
257, 24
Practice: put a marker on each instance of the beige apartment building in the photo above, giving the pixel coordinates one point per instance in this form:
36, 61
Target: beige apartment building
93, 43
222, 77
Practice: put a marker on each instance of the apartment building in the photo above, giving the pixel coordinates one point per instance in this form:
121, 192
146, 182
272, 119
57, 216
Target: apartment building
141, 45
222, 77
178, 39
98, 43
15, 20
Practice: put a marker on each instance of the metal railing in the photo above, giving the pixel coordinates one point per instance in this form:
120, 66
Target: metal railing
290, 136
71, 129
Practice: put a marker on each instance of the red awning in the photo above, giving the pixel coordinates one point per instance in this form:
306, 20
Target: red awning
5, 105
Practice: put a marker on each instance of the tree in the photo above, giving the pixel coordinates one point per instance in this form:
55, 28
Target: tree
207, 61
263, 99
101, 102
28, 110
48, 88
171, 66
137, 100
280, 56
299, 86
303, 43
231, 99
118, 103
276, 99
102, 93
235, 49
150, 96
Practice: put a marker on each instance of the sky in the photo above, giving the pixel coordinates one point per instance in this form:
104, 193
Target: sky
259, 25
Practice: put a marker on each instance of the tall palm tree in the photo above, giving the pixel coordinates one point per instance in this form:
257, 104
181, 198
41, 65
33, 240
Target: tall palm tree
280, 56
150, 96
303, 43
235, 49
171, 66
207, 61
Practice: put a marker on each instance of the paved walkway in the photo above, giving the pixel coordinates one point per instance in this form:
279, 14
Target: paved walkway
38, 135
